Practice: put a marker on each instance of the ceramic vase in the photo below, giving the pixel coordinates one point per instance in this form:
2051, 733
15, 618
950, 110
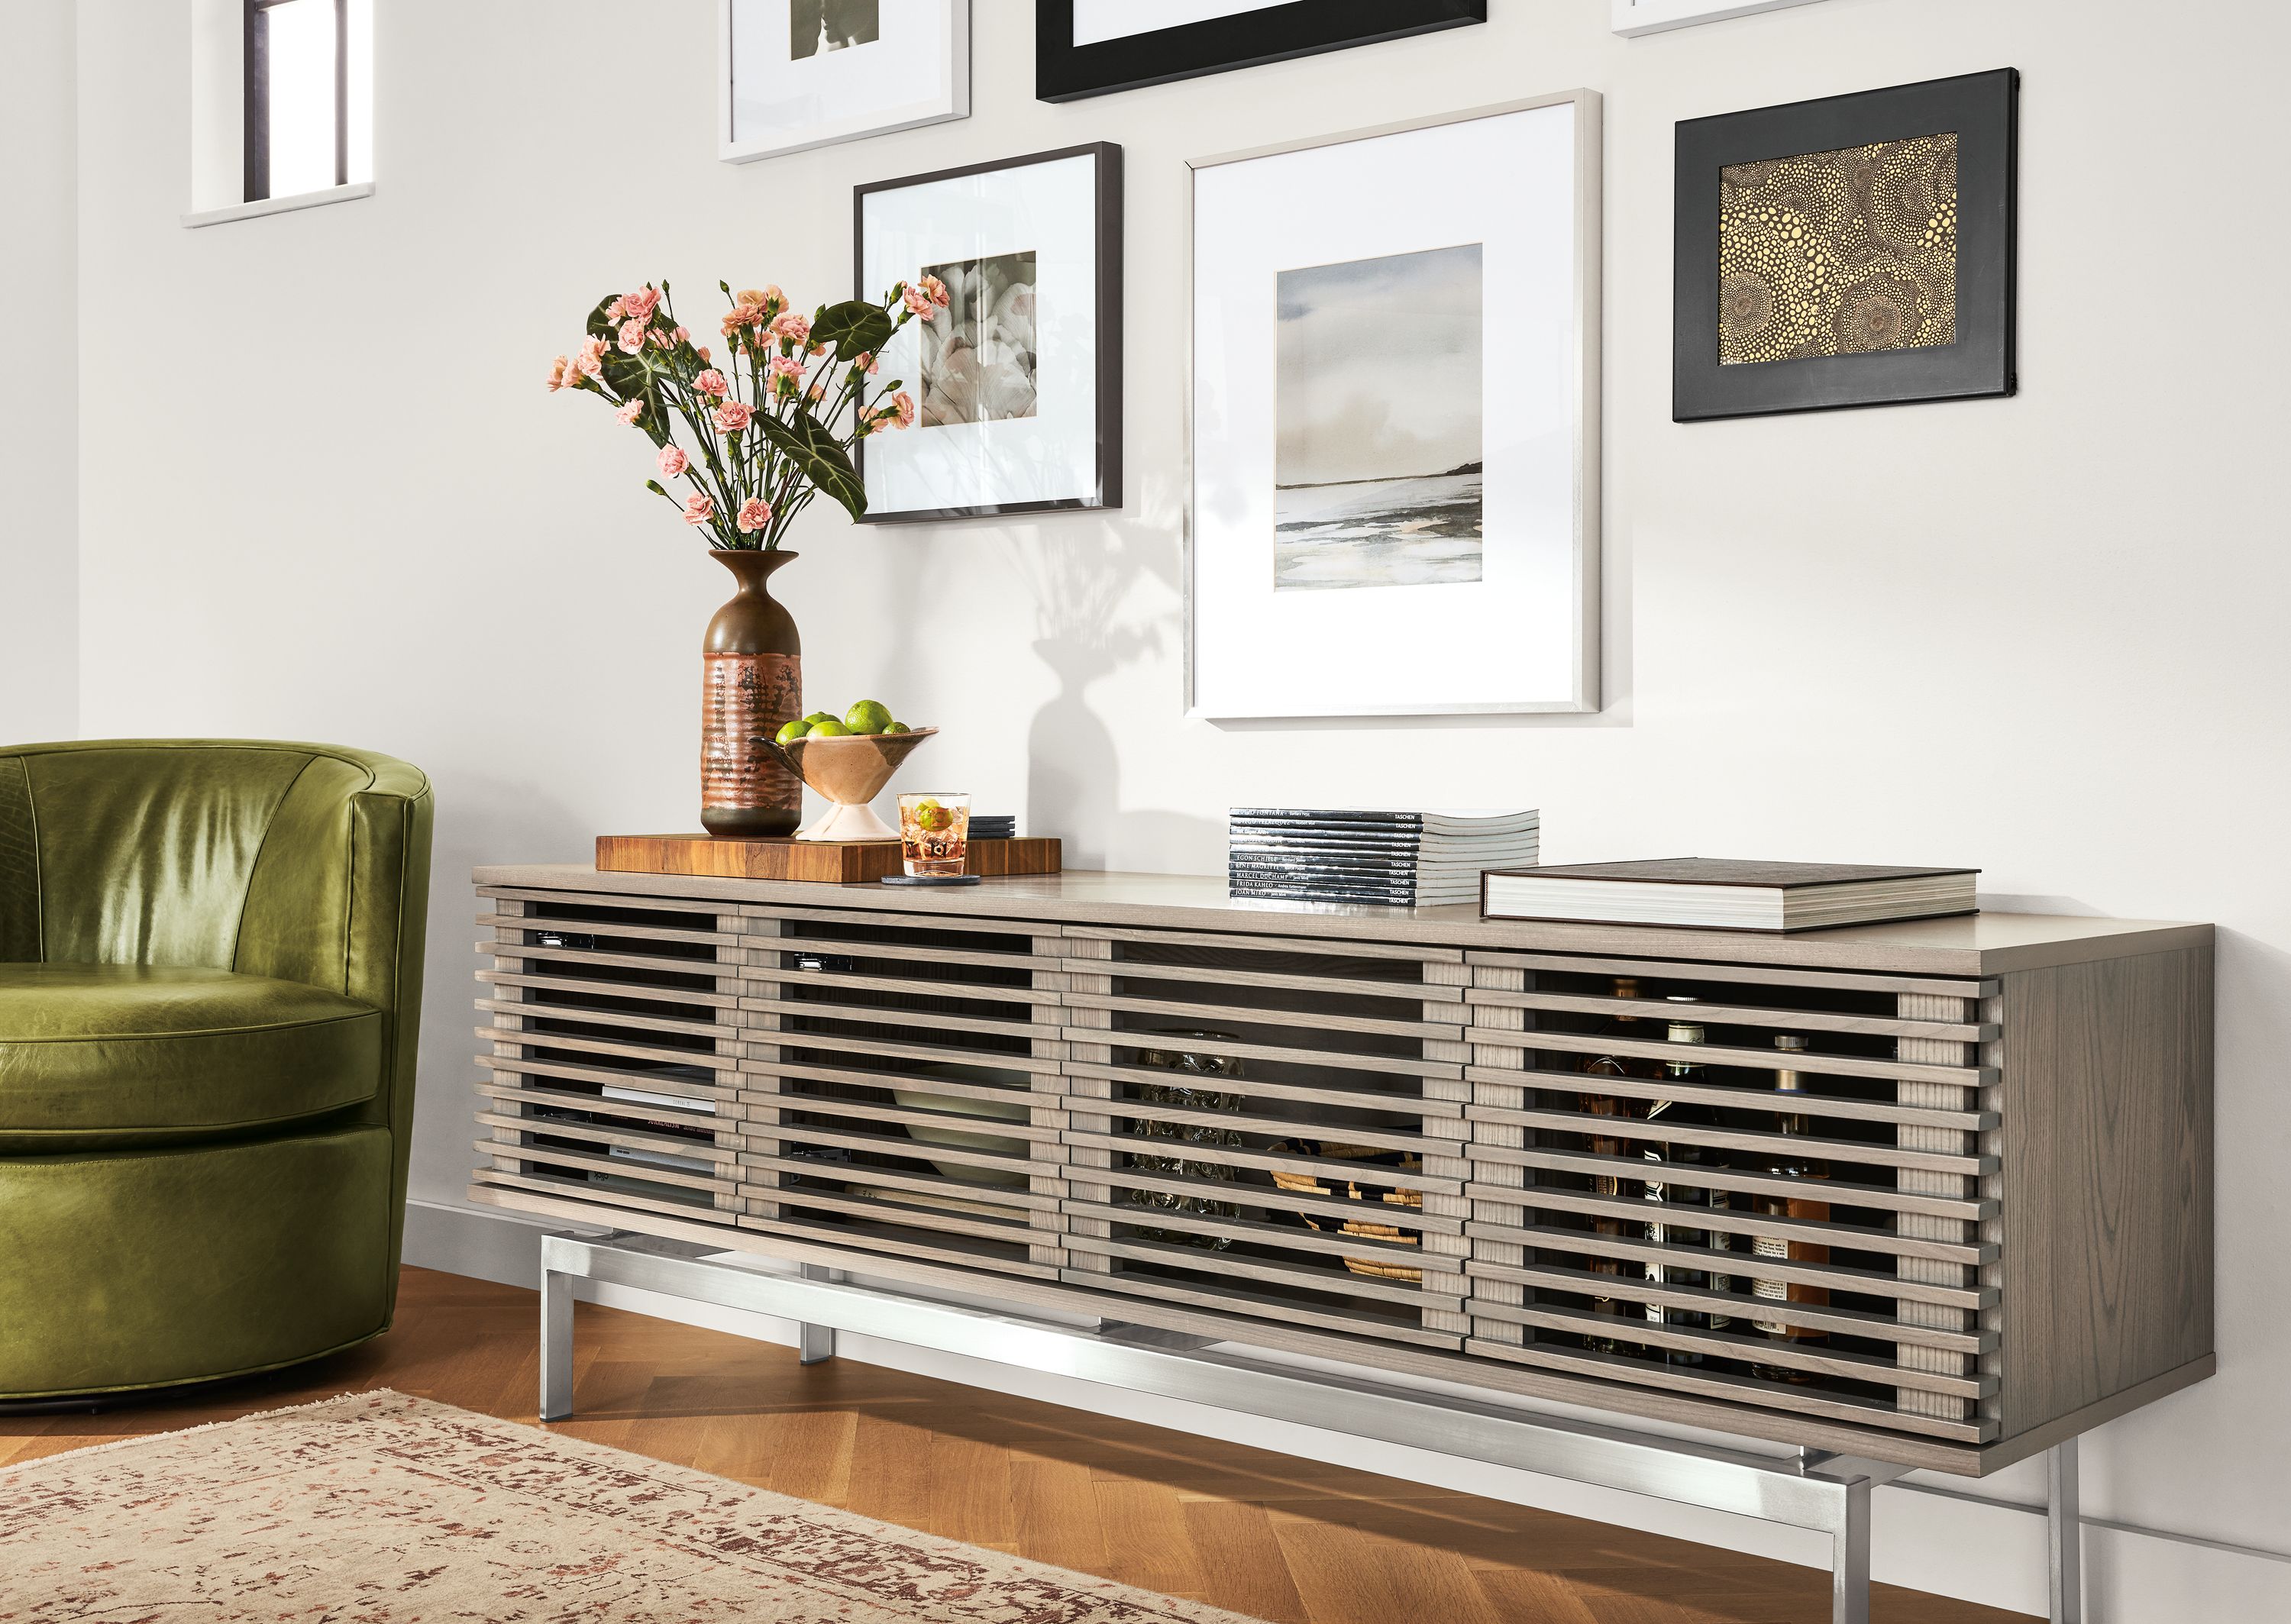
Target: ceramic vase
751, 685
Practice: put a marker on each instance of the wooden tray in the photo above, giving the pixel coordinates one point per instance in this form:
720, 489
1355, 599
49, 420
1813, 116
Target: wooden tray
822, 862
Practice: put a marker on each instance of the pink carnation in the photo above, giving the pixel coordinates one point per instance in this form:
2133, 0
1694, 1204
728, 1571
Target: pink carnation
560, 373
903, 405
926, 294
712, 382
673, 461
785, 366
743, 315
866, 359
632, 336
590, 362
731, 416
755, 513
631, 410
699, 509
682, 335
640, 305
795, 328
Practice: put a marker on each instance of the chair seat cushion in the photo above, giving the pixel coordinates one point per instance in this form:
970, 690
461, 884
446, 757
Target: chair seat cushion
101, 1056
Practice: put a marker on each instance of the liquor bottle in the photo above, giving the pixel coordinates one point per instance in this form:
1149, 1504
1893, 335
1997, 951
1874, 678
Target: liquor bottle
1788, 1162
1618, 1026
1665, 1197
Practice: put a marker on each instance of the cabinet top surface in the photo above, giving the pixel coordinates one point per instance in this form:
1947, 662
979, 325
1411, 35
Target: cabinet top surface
1980, 943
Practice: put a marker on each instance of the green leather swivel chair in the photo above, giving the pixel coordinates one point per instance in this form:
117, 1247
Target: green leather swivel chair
210, 983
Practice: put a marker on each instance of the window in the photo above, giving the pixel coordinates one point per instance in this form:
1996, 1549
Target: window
297, 83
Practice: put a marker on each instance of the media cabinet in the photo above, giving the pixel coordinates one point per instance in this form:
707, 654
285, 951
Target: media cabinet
1132, 1099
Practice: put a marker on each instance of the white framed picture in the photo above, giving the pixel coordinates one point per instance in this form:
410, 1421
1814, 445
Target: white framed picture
797, 73
1395, 508
1634, 17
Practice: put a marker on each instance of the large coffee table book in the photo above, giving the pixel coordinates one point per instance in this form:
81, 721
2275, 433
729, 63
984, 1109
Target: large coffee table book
1722, 893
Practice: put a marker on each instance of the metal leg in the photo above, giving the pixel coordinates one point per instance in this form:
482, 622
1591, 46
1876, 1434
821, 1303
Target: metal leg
1849, 1558
2064, 1516
556, 1345
815, 1344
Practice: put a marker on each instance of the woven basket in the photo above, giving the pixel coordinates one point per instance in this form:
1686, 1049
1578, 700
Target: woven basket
1305, 1184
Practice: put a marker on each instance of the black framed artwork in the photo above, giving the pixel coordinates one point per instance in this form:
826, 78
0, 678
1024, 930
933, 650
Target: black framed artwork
1854, 251
1094, 47
1016, 370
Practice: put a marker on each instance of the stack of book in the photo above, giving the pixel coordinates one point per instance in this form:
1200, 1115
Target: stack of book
1402, 857
993, 826
1722, 893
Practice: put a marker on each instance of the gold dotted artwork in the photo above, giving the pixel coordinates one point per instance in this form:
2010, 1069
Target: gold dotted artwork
1838, 252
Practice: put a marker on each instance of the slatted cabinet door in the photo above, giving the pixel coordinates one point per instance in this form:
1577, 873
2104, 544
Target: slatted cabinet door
611, 1075
1648, 1208
899, 1085
1268, 1127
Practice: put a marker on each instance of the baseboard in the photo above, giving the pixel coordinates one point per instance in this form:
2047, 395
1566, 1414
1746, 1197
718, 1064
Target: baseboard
1950, 1543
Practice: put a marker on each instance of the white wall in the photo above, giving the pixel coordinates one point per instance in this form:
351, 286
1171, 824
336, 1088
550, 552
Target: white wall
39, 402
2039, 634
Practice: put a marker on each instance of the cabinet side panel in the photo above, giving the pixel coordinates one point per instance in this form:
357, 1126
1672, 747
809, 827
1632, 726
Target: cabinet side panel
2107, 1264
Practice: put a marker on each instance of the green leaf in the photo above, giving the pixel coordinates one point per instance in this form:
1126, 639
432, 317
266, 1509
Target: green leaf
815, 452
599, 326
853, 327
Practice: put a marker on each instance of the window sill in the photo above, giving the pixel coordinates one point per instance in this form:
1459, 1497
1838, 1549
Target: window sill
278, 205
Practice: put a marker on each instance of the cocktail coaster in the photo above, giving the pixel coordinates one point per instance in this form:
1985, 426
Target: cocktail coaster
817, 862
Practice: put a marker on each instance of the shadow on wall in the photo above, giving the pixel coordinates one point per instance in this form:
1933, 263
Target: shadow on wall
1073, 770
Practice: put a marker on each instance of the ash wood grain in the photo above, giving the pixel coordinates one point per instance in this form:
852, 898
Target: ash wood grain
2107, 1260
806, 861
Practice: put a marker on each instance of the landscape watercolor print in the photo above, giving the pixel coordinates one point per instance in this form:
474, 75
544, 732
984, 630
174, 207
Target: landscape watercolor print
1377, 457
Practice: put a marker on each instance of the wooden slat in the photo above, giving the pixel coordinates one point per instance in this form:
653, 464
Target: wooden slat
1756, 1059
965, 924
604, 1018
1235, 1301
1313, 1093
604, 1206
1842, 1277
660, 963
1290, 1237
888, 1145
1816, 1232
1730, 1345
873, 1016
1345, 1133
1246, 1015
984, 1059
1323, 1167
897, 1179
904, 986
1337, 1281
1703, 1012
1736, 1389
1638, 1288
645, 990
901, 952
1272, 1198
1749, 975
1399, 1064
583, 1043
1220, 975
1837, 1191
854, 1238
1637, 1129
599, 1106
700, 1150
644, 1172
894, 1214
1321, 946
607, 1075
906, 1082
648, 933
1802, 1103
985, 1127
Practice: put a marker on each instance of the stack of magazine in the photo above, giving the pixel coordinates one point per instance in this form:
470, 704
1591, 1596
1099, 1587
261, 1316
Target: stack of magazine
1403, 856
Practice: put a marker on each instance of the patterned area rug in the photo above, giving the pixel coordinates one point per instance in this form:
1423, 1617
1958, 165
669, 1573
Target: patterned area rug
383, 1509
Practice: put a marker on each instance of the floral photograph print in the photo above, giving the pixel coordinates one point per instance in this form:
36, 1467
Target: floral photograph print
978, 353
832, 25
1376, 467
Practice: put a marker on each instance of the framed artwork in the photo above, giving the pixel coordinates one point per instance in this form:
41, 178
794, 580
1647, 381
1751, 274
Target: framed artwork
1092, 47
1634, 17
1856, 251
797, 73
1017, 380
1395, 420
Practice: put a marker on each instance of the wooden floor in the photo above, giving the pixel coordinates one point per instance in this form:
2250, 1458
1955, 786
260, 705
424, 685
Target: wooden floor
1264, 1534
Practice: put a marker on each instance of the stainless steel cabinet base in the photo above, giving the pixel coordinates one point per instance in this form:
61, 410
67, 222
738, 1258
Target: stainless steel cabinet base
1826, 1493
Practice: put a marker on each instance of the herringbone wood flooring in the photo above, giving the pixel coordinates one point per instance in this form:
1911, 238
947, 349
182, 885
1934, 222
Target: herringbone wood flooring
1264, 1534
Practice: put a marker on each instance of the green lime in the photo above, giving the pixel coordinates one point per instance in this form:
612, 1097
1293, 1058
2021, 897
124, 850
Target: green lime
817, 717
868, 716
828, 729
898, 727
792, 731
